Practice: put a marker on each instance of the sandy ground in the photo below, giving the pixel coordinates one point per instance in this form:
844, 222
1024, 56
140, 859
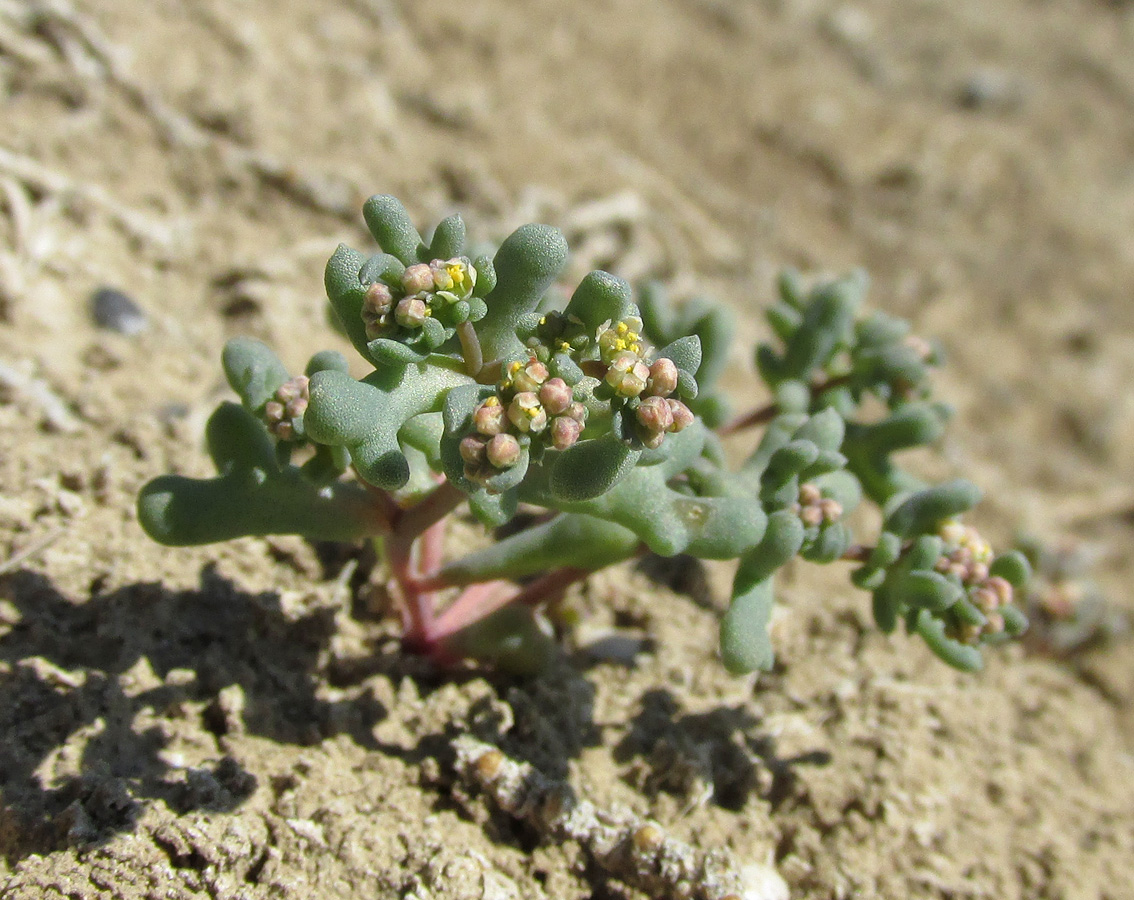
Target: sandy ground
229, 722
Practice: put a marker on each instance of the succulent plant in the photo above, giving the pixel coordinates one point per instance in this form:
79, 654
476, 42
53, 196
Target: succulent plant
605, 414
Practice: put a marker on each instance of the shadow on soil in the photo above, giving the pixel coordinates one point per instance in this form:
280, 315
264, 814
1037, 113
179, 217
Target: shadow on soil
111, 681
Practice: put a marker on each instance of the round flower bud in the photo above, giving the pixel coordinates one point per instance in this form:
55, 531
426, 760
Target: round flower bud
682, 415
655, 415
809, 494
663, 378
293, 389
489, 417
296, 408
556, 396
1003, 589
831, 509
377, 301
984, 599
530, 376
627, 375
503, 451
411, 312
811, 516
472, 449
577, 411
273, 411
526, 413
565, 432
417, 278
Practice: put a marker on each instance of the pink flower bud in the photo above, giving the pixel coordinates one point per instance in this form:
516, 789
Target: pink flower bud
984, 599
655, 415
663, 378
378, 300
809, 494
565, 432
296, 408
652, 439
285, 431
273, 411
577, 411
811, 516
472, 449
831, 509
489, 417
417, 278
1003, 589
556, 396
503, 451
682, 415
410, 312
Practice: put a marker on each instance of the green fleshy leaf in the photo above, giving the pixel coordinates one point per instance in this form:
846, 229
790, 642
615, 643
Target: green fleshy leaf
825, 430
782, 540
327, 361
526, 264
591, 468
958, 655
925, 510
448, 239
381, 267
386, 352
745, 645
237, 440
514, 639
253, 371
1013, 566
600, 297
392, 228
570, 539
930, 590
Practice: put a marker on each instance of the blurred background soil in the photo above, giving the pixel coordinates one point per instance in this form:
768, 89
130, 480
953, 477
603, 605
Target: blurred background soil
236, 722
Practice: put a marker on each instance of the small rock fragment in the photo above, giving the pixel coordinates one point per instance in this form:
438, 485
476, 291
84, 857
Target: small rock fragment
114, 311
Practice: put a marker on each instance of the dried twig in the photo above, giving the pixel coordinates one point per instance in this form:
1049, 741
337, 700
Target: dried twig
55, 411
630, 849
26, 170
33, 549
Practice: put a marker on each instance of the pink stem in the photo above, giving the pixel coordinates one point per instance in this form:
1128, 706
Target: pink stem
476, 602
479, 601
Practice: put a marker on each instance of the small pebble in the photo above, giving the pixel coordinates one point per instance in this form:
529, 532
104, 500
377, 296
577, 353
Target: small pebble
990, 89
114, 311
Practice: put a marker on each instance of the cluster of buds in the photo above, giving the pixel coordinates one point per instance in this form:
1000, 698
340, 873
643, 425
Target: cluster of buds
967, 556
424, 288
528, 405
628, 374
657, 413
286, 408
814, 509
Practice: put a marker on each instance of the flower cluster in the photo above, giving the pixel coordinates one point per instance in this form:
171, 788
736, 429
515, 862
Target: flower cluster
966, 556
283, 414
425, 289
529, 405
645, 387
814, 509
